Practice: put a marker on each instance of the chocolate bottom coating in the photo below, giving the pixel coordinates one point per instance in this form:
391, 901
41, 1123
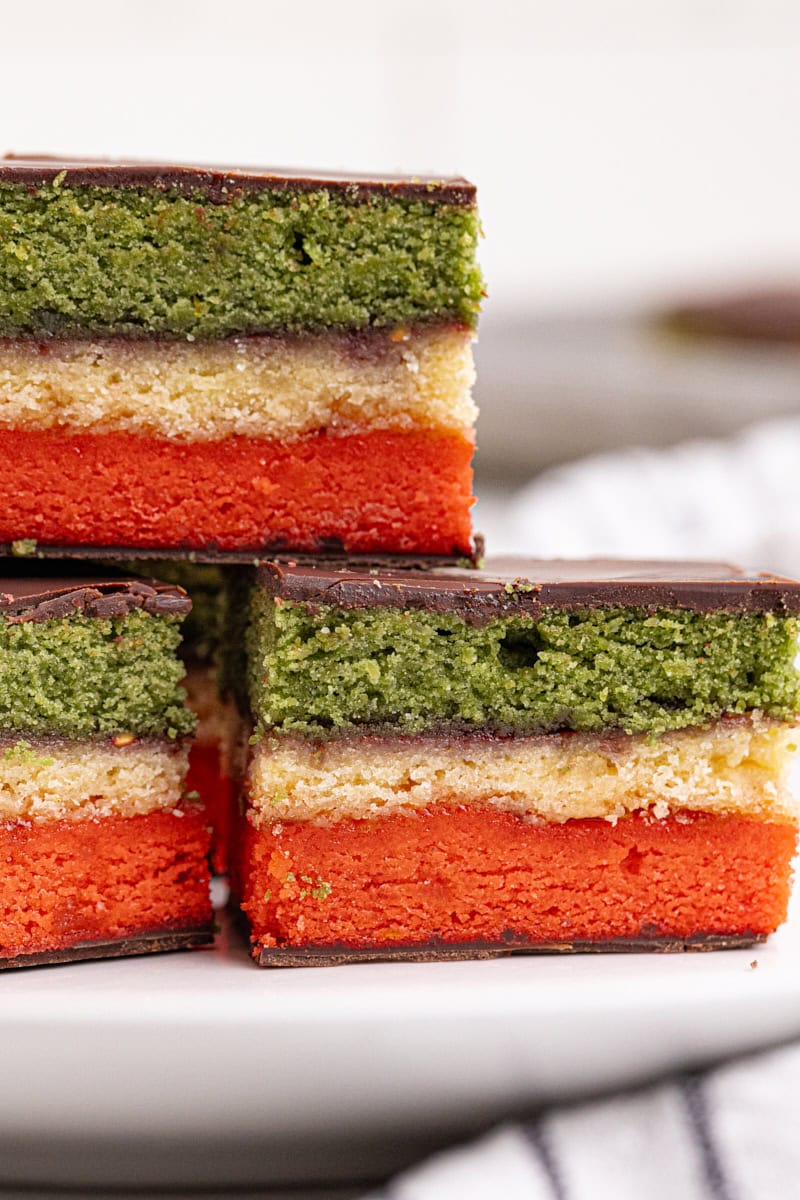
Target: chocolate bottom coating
328, 555
146, 943
340, 955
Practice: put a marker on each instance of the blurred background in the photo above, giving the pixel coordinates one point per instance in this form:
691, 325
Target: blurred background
631, 159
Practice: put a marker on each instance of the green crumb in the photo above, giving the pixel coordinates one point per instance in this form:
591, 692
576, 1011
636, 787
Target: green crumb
320, 670
268, 895
141, 261
24, 547
77, 676
193, 796
23, 752
319, 890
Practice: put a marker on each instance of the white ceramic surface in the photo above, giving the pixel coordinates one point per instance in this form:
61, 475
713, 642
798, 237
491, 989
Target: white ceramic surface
197, 1066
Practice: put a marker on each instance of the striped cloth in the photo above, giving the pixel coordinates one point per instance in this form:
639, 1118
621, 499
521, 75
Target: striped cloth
736, 499
732, 1133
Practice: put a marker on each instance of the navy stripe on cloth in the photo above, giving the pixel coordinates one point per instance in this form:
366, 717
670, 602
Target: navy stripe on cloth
691, 1088
537, 1137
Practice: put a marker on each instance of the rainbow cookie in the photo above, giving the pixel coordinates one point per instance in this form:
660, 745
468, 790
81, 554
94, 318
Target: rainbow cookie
220, 360
104, 853
207, 649
538, 756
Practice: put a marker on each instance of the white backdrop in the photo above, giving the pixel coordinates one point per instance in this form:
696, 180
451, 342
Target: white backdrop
622, 148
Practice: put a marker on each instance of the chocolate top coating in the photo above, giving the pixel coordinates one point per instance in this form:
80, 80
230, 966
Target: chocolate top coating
222, 182
523, 586
47, 598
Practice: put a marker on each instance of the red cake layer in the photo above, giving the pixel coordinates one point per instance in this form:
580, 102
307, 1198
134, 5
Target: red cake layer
459, 875
68, 882
380, 491
217, 795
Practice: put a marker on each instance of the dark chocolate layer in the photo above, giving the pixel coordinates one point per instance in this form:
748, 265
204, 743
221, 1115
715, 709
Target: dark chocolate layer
33, 597
220, 182
146, 943
340, 955
329, 555
524, 587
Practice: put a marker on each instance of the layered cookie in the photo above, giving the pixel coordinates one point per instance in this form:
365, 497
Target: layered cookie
215, 748
539, 756
104, 852
207, 646
234, 360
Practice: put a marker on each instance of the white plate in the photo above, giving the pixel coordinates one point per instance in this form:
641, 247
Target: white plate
199, 1067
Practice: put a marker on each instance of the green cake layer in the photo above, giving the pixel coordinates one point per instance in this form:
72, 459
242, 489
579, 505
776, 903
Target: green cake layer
146, 260
80, 675
313, 669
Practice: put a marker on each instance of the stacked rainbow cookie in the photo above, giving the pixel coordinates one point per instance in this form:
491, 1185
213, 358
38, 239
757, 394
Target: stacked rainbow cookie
259, 383
198, 368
